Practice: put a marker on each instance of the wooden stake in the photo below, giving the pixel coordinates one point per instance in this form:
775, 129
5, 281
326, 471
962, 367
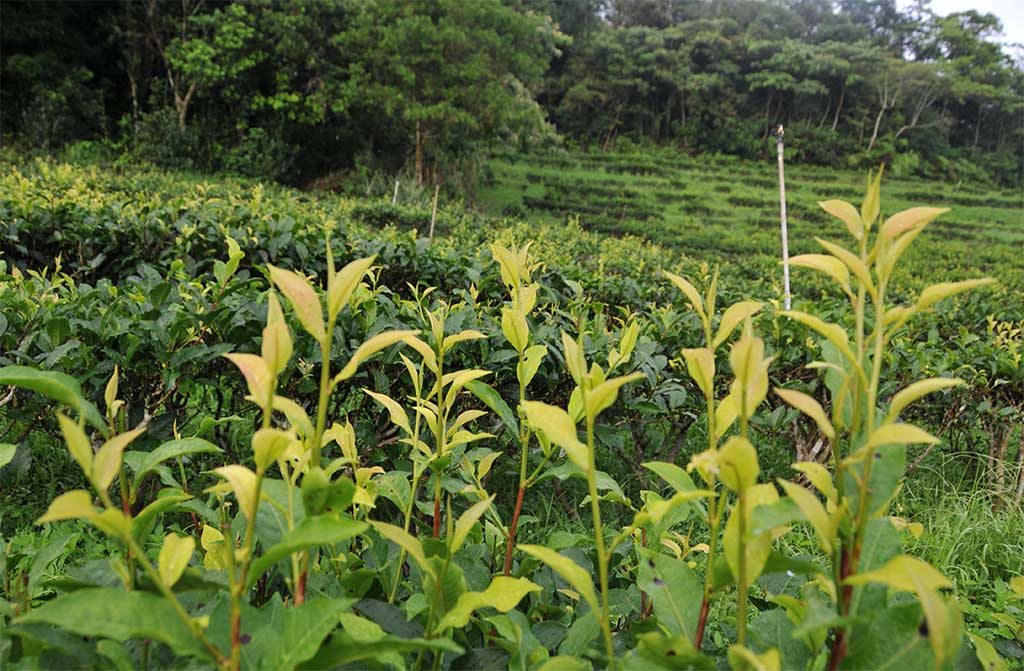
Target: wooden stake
782, 214
433, 214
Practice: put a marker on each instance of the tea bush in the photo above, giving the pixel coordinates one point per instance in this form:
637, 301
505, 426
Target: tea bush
376, 460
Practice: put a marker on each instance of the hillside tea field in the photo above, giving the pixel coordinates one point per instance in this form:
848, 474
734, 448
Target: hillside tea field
243, 426
721, 209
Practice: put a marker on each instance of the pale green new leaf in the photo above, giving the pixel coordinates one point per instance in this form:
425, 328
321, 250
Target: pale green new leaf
812, 509
503, 594
700, 363
303, 299
174, 557
371, 347
735, 315
406, 541
690, 292
915, 391
344, 283
77, 442
847, 213
560, 430
808, 406
465, 523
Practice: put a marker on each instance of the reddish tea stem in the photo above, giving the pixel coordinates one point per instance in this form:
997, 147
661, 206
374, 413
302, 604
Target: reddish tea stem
512, 532
437, 517
702, 621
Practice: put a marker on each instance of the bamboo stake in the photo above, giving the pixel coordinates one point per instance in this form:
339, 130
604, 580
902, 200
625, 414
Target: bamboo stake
433, 214
782, 214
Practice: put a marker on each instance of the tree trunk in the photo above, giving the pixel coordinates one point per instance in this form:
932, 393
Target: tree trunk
839, 107
824, 117
874, 133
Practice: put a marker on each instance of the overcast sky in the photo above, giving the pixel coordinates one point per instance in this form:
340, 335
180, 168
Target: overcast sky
1010, 12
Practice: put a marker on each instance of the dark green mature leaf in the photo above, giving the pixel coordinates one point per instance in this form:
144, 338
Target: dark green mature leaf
171, 450
493, 400
310, 532
768, 516
114, 613
284, 638
343, 649
773, 629
167, 499
58, 386
890, 639
675, 592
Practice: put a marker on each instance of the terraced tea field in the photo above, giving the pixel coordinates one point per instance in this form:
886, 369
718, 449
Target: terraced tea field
724, 210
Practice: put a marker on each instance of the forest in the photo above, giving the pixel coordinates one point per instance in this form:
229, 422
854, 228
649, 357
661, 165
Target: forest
296, 90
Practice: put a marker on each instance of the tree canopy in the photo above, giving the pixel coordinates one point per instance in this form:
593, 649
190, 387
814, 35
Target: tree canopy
293, 89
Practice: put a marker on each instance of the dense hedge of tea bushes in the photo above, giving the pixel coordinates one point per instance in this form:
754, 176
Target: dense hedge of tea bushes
133, 269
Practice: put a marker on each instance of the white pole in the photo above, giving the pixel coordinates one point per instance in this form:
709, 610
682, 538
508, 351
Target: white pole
782, 214
394, 198
433, 214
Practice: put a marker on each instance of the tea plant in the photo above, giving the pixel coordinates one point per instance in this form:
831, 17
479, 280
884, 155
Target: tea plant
294, 557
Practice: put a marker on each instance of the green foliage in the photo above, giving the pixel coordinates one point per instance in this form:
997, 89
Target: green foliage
275, 518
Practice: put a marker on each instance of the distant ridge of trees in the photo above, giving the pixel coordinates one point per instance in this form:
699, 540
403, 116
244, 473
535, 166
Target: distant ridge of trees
294, 89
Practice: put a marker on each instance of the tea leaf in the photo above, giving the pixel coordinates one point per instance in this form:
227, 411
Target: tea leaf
673, 475
268, 445
871, 205
527, 369
243, 484
810, 407
903, 573
343, 284
371, 347
690, 292
852, 262
560, 430
828, 265
503, 594
77, 442
297, 417
7, 452
675, 592
171, 450
943, 620
988, 657
812, 509
404, 540
465, 523
118, 614
604, 394
257, 375
276, 348
110, 392
742, 659
452, 340
174, 557
735, 315
344, 650
840, 209
311, 532
107, 462
834, 333
303, 299
900, 434
737, 464
397, 413
819, 476
515, 328
915, 391
73, 505
915, 217
58, 386
574, 360
937, 292
700, 363
572, 572
493, 400
757, 547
